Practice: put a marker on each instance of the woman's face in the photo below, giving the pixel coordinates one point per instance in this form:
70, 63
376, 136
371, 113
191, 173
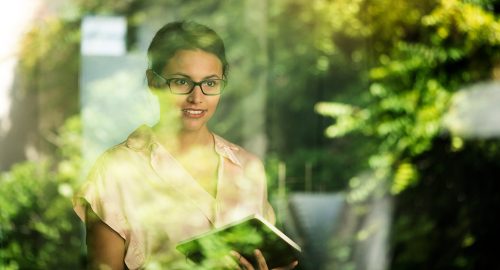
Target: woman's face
196, 108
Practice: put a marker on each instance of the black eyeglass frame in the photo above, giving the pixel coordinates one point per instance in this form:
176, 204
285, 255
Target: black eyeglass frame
200, 83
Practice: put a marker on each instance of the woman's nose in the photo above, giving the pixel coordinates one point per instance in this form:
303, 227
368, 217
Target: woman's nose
196, 96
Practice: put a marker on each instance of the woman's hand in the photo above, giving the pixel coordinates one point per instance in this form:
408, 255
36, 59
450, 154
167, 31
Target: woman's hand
261, 261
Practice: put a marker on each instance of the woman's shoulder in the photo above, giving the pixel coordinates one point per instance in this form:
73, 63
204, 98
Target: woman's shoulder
139, 140
129, 150
236, 153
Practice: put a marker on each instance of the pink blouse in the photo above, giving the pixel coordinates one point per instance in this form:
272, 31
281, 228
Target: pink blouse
143, 193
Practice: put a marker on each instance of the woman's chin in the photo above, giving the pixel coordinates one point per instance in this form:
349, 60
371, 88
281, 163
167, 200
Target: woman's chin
189, 126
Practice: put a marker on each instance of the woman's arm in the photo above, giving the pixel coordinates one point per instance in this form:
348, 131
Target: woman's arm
106, 248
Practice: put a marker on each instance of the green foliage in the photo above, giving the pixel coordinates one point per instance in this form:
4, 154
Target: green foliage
416, 71
307, 66
38, 228
419, 54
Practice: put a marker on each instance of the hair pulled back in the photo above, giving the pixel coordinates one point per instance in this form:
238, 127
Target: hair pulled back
184, 35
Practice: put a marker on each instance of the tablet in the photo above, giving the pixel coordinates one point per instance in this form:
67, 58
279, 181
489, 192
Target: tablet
244, 236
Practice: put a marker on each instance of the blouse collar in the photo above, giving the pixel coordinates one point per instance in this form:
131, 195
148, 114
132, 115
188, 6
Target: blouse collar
226, 149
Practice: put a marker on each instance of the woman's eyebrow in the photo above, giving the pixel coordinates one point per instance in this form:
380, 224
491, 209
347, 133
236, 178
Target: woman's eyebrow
213, 76
179, 74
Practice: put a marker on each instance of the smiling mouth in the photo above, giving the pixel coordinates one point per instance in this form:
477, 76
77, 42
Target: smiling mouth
193, 113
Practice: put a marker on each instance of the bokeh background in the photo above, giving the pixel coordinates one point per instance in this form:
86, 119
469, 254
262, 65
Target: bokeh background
378, 121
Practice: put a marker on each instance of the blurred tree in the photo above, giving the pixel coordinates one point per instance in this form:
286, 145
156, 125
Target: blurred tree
413, 77
37, 221
418, 55
307, 65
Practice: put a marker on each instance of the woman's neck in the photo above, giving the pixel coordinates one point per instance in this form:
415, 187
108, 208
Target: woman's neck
182, 141
194, 139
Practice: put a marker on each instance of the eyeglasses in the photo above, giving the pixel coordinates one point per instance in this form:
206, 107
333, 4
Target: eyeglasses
184, 86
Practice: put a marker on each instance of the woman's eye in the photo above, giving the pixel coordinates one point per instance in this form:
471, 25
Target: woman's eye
211, 83
180, 81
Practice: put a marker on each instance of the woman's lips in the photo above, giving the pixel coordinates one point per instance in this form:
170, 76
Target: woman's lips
193, 113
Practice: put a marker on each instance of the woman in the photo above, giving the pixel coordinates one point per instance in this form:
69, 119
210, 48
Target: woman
177, 179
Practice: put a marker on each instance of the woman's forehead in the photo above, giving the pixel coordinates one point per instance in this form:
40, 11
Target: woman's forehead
194, 63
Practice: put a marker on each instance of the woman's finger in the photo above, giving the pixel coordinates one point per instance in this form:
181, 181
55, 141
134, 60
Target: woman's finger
261, 260
230, 262
242, 261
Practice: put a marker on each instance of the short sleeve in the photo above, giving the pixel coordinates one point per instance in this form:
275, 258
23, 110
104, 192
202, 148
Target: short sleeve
101, 191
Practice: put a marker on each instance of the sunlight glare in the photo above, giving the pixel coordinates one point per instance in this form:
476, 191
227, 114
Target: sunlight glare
15, 17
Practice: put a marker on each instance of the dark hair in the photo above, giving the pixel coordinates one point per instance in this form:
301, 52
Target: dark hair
184, 35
